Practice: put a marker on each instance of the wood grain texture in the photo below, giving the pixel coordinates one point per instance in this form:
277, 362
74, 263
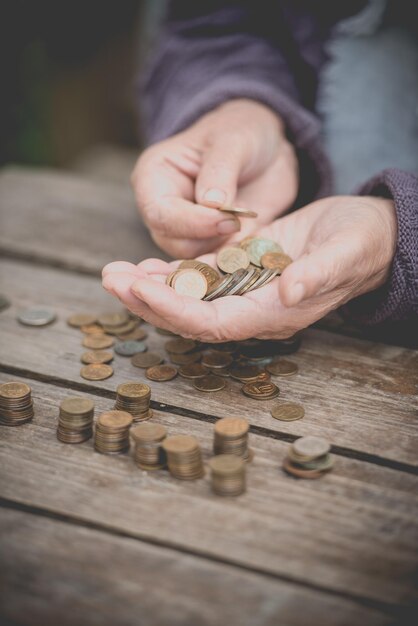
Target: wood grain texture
353, 532
69, 221
67, 574
357, 394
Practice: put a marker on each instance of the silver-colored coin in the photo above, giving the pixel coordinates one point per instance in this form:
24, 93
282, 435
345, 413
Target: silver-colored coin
129, 348
36, 316
243, 282
265, 277
219, 288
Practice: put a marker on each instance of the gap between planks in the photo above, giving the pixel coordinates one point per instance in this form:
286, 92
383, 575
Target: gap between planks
349, 453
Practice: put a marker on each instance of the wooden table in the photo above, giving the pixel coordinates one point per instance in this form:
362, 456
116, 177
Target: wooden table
89, 539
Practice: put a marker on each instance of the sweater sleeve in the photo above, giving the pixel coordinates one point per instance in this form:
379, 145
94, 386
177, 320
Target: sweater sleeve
398, 298
210, 52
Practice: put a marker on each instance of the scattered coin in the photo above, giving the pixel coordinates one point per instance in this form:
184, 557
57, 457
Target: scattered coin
288, 412
227, 475
4, 302
256, 247
96, 356
276, 261
190, 283
180, 345
184, 359
231, 259
161, 373
92, 329
36, 316
281, 367
138, 334
146, 359
113, 319
16, 406
81, 319
260, 390
209, 383
122, 329
216, 360
96, 371
245, 373
98, 342
193, 370
129, 348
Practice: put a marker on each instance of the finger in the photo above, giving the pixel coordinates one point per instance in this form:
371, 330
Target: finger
118, 266
323, 270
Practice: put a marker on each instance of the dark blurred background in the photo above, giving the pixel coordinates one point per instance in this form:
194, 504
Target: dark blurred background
67, 77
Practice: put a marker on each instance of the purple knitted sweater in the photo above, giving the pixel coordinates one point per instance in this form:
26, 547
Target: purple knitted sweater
211, 51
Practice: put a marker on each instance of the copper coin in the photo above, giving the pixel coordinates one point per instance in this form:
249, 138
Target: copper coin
115, 419
92, 329
260, 390
14, 390
190, 283
238, 211
113, 319
263, 376
232, 427
96, 371
193, 370
208, 272
148, 432
161, 373
225, 464
135, 335
275, 261
96, 356
281, 367
180, 345
299, 472
133, 390
231, 259
287, 412
216, 359
180, 444
76, 406
184, 359
245, 373
98, 342
122, 329
81, 319
146, 359
209, 383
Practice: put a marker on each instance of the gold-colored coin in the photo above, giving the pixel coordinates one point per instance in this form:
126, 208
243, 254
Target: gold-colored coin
180, 444
276, 261
98, 342
148, 432
238, 211
208, 272
92, 329
180, 345
216, 360
260, 390
133, 390
185, 359
146, 359
96, 371
282, 367
81, 319
161, 373
14, 390
121, 329
231, 259
115, 420
209, 383
96, 356
113, 319
287, 412
193, 370
245, 373
74, 405
138, 334
191, 283
231, 427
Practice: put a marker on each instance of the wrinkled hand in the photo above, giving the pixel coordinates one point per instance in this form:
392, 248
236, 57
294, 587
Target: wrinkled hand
342, 247
236, 154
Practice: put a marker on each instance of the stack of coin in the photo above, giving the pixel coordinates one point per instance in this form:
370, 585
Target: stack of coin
149, 455
231, 437
112, 432
227, 475
184, 458
16, 405
134, 398
75, 422
308, 457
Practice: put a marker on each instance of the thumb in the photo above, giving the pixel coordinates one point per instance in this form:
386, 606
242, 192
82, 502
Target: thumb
217, 181
324, 269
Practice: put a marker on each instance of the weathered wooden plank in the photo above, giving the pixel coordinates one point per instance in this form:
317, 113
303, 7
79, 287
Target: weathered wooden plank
357, 394
70, 221
54, 572
354, 532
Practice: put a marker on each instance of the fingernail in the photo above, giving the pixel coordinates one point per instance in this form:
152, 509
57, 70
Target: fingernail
297, 293
136, 287
227, 227
215, 196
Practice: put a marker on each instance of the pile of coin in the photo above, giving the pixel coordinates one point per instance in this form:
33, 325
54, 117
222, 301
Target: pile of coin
75, 421
16, 406
227, 475
249, 265
231, 437
134, 398
111, 435
308, 457
149, 454
184, 457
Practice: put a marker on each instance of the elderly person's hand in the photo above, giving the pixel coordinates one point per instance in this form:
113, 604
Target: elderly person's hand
342, 247
236, 154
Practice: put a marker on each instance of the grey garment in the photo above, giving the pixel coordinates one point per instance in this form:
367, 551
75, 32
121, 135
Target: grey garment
368, 100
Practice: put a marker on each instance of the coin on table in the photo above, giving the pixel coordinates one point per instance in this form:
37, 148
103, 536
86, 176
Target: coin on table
282, 367
260, 390
36, 316
185, 359
310, 447
209, 383
138, 334
231, 259
81, 319
14, 390
216, 360
288, 412
113, 319
193, 370
115, 419
121, 329
129, 348
92, 329
98, 342
238, 211
245, 373
190, 283
4, 302
299, 472
161, 373
257, 247
276, 261
96, 356
180, 345
146, 359
96, 371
